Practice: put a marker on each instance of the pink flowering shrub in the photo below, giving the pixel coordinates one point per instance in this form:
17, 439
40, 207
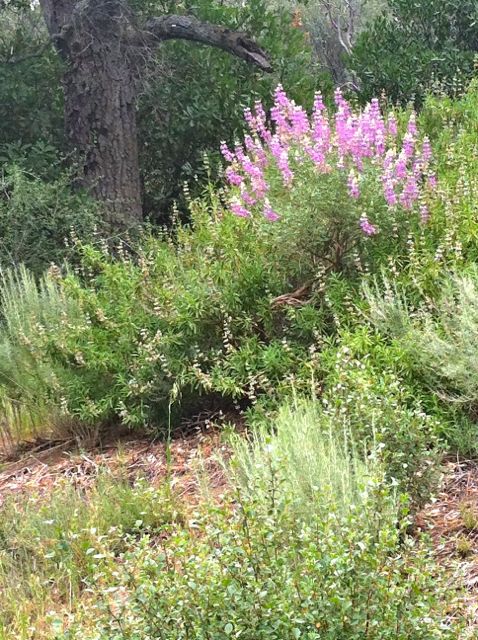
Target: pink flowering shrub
358, 154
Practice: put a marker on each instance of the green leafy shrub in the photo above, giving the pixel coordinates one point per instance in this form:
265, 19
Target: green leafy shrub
369, 393
254, 570
129, 336
229, 309
38, 218
226, 309
414, 45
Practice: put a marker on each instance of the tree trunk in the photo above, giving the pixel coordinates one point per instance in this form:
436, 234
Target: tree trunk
105, 50
100, 90
100, 120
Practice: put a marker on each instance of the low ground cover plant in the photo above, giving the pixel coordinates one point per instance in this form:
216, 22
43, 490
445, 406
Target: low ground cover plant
51, 543
285, 559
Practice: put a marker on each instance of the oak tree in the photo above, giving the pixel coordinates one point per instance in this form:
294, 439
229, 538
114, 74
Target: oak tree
106, 49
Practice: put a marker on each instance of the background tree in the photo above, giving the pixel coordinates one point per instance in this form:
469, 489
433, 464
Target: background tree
106, 48
333, 27
415, 45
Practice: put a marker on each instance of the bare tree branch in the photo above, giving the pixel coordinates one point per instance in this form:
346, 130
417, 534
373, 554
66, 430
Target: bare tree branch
172, 27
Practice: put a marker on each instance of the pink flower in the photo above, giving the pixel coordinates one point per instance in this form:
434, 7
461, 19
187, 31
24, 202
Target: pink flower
246, 198
426, 151
389, 191
281, 156
375, 109
250, 168
281, 98
392, 125
269, 212
300, 122
233, 177
412, 124
401, 166
410, 192
432, 181
408, 145
368, 228
228, 155
239, 210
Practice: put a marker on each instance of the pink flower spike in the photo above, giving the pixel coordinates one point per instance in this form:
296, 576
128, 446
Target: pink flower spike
426, 151
352, 184
392, 125
246, 197
227, 154
408, 145
389, 191
375, 109
239, 210
432, 181
269, 212
281, 98
318, 103
368, 228
412, 124
233, 177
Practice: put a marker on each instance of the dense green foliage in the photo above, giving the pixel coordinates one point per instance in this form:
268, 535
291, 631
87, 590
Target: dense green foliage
335, 317
200, 98
417, 45
40, 219
31, 99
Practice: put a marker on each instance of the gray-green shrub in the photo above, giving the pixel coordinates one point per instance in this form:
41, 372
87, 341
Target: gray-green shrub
312, 458
442, 338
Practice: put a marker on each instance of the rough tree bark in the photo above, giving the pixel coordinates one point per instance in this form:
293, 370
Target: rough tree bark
104, 49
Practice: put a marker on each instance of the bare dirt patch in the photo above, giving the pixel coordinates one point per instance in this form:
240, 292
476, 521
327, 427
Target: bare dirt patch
189, 462
451, 521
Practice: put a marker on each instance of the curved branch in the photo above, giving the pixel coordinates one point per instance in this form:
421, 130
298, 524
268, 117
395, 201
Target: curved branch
172, 27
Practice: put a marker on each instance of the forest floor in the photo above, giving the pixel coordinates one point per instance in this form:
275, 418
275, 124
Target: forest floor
450, 519
186, 463
192, 462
